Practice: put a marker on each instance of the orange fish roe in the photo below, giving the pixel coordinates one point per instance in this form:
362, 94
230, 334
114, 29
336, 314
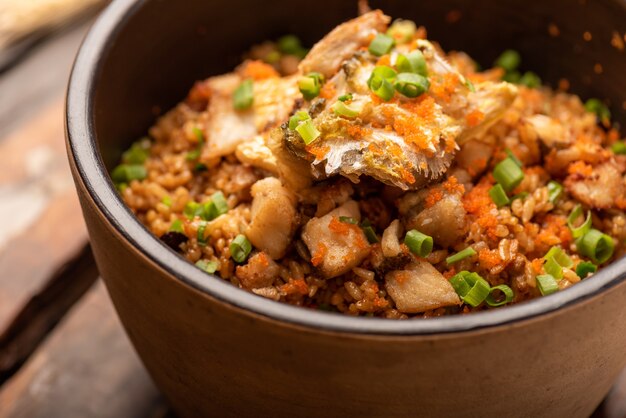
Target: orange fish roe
579, 168
319, 254
357, 132
537, 265
384, 60
263, 259
258, 70
328, 91
478, 203
434, 196
452, 185
448, 274
554, 232
295, 287
489, 258
407, 176
342, 228
319, 151
444, 87
474, 118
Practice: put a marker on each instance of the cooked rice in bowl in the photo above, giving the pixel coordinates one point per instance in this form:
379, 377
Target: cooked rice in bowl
378, 176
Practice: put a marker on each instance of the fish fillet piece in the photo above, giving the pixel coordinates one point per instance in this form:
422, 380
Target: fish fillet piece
402, 142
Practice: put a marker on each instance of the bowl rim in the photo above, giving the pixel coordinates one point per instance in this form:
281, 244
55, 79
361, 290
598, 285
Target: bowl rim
82, 150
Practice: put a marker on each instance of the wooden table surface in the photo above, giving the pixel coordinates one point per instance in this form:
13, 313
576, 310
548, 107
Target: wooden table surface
63, 352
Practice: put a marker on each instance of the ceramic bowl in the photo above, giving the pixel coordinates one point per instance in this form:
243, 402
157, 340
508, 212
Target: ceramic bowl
215, 350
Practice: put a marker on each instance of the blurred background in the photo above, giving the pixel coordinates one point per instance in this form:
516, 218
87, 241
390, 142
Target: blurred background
63, 352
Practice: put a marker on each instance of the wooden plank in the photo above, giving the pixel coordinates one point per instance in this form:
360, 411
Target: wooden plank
86, 368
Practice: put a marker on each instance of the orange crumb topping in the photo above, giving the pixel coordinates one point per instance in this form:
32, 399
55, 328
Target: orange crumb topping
319, 254
444, 87
489, 258
479, 204
328, 91
319, 151
580, 168
295, 287
258, 70
384, 60
474, 118
357, 132
342, 228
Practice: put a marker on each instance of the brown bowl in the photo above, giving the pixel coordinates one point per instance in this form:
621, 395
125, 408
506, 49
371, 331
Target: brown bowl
217, 350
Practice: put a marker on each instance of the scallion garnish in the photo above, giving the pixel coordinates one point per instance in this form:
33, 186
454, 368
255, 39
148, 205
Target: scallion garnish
547, 284
342, 109
381, 44
530, 80
125, 173
508, 174
495, 300
243, 96
419, 244
411, 85
468, 83
596, 245
600, 109
299, 116
413, 62
471, 288
585, 268
619, 147
290, 44
345, 97
195, 154
370, 234
216, 206
402, 30
308, 131
380, 82
498, 195
176, 226
208, 266
348, 220
461, 255
560, 257
582, 229
555, 190
310, 85
138, 152
240, 248
167, 200
201, 237
513, 157
509, 60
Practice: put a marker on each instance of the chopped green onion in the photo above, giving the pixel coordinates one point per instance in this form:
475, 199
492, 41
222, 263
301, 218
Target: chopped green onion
547, 284
512, 77
121, 187
201, 237
199, 168
342, 109
411, 85
177, 226
240, 248
507, 296
600, 109
619, 147
308, 131
348, 220
192, 209
243, 96
461, 255
573, 217
419, 244
137, 153
381, 44
530, 80
298, 117
585, 268
413, 62
207, 265
509, 60
345, 97
310, 84
272, 57
596, 245
381, 86
470, 287
291, 45
560, 257
220, 203
508, 174
513, 157
125, 173
553, 268
167, 201
468, 83
402, 30
195, 154
370, 234
555, 190
498, 195
383, 71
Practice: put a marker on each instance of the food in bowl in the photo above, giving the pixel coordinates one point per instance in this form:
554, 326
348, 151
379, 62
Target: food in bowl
376, 175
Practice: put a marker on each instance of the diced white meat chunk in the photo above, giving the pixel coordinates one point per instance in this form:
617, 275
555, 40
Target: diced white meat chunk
445, 220
257, 154
390, 243
420, 287
260, 271
336, 246
274, 217
602, 189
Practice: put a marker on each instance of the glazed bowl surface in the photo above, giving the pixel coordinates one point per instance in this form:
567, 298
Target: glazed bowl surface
215, 350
